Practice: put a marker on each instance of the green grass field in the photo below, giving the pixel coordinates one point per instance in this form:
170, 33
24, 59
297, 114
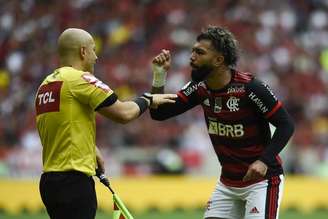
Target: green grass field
178, 215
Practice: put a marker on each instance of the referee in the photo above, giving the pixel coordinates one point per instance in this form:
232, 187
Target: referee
65, 104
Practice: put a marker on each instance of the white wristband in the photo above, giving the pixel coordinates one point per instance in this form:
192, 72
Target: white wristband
159, 76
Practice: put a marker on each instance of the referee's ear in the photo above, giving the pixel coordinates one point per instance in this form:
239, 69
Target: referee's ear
83, 52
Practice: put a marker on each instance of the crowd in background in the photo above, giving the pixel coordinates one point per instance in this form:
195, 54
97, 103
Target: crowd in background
283, 42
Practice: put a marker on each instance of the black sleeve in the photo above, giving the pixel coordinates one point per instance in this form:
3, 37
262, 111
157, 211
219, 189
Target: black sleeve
262, 98
284, 130
169, 110
187, 99
108, 101
266, 103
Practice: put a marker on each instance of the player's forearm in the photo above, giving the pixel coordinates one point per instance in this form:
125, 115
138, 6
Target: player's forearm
284, 130
161, 113
167, 111
157, 90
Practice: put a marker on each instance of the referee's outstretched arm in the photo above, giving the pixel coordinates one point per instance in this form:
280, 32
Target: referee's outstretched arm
126, 111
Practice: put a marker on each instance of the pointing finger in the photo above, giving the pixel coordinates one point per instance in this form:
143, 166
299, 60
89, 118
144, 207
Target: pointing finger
169, 101
170, 96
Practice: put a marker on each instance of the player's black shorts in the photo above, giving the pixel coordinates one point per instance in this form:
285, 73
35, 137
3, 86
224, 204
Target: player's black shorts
68, 195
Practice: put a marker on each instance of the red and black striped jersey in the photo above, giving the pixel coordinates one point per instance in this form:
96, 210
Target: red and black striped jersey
237, 118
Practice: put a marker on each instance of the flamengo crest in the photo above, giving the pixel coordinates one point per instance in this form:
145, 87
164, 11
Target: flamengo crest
232, 104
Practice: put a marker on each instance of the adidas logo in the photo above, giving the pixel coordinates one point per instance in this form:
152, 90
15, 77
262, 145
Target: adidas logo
254, 211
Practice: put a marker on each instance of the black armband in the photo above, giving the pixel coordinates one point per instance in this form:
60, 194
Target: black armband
142, 104
108, 101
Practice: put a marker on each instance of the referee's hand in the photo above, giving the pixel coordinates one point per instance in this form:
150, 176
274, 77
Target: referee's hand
103, 179
255, 171
159, 99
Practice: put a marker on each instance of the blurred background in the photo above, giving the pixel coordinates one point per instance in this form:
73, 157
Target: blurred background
284, 43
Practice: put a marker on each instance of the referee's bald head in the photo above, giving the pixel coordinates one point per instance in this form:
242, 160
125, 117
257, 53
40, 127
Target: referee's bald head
71, 40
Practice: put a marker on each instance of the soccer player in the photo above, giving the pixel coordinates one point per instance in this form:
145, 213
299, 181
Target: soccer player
66, 103
238, 109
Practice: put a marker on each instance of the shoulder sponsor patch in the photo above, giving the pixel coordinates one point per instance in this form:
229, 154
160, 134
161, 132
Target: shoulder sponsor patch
270, 90
185, 86
189, 88
48, 98
259, 103
96, 82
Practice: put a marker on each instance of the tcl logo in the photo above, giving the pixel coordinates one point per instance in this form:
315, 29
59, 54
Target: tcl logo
48, 98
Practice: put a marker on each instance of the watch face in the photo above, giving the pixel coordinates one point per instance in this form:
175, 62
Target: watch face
149, 95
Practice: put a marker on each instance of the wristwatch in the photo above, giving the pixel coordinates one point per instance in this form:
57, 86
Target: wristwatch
149, 97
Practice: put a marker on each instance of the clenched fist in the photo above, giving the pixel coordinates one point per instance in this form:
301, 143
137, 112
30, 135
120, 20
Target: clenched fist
163, 60
256, 171
160, 65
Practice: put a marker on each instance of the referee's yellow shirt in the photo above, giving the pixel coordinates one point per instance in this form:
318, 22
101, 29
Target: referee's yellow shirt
65, 117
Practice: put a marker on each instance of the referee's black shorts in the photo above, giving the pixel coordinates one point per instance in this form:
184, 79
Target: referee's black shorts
68, 195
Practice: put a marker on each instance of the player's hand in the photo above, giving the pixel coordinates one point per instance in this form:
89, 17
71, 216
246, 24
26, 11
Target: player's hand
159, 99
255, 171
163, 60
160, 65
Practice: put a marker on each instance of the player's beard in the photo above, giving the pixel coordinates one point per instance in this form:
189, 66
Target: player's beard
199, 74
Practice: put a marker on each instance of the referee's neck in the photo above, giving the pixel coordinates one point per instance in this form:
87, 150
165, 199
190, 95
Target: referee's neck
74, 64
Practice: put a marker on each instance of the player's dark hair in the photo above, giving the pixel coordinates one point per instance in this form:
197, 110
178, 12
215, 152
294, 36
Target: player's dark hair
223, 41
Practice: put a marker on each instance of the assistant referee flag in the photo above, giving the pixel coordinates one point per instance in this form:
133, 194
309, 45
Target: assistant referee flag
120, 211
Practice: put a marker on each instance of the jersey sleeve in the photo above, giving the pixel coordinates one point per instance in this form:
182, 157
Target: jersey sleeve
190, 93
188, 97
90, 90
262, 98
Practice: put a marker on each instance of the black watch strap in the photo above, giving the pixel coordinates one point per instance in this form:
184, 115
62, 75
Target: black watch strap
149, 97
